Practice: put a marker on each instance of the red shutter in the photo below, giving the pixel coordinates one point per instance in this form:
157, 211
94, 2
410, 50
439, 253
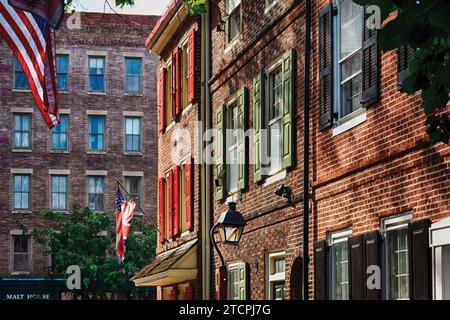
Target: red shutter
173, 85
189, 186
189, 293
176, 201
177, 64
162, 99
174, 293
170, 211
191, 66
161, 208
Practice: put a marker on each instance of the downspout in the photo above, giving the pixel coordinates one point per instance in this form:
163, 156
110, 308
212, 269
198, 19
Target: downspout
205, 180
306, 153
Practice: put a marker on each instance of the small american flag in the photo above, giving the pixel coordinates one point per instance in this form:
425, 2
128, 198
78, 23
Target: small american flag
124, 214
32, 41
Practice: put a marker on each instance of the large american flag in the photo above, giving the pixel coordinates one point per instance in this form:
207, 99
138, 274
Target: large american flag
124, 214
32, 41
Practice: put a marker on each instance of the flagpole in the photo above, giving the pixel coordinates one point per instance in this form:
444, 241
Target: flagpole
142, 211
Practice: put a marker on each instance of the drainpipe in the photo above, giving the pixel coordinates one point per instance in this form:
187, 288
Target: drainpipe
205, 179
306, 153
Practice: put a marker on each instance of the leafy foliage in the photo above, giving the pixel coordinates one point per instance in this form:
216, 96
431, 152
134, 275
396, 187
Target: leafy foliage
424, 26
87, 239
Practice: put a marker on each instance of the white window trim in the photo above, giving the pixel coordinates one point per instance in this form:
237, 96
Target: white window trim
229, 43
96, 54
281, 276
334, 238
141, 75
234, 266
350, 121
61, 173
141, 143
269, 6
439, 237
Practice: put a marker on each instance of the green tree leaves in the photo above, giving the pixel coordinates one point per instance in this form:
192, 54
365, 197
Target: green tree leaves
424, 26
87, 239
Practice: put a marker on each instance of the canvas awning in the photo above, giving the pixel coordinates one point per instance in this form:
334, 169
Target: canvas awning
169, 267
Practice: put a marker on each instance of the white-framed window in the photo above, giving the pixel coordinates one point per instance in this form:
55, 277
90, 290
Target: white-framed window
60, 134
96, 193
22, 191
274, 117
133, 75
396, 233
237, 281
96, 74
339, 265
22, 131
20, 253
440, 248
133, 134
234, 20
97, 129
133, 185
276, 278
59, 192
348, 59
232, 132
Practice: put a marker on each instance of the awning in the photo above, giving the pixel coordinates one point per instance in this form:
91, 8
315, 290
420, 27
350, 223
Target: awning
169, 267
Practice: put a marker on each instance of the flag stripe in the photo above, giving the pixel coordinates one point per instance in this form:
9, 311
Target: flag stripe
30, 46
32, 27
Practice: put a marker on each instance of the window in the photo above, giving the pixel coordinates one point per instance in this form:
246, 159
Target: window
20, 78
237, 281
168, 98
397, 256
133, 75
167, 205
21, 192
96, 188
232, 146
133, 134
60, 134
62, 66
349, 57
97, 74
184, 76
133, 186
59, 193
97, 133
339, 264
276, 266
270, 3
20, 253
233, 8
182, 199
22, 131
275, 109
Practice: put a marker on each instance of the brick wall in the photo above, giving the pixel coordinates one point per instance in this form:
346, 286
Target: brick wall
98, 33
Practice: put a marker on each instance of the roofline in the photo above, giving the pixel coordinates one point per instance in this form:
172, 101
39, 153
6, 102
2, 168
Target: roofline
162, 22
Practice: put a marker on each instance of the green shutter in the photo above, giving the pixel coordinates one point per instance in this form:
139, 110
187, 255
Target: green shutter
244, 281
288, 109
258, 121
241, 148
220, 163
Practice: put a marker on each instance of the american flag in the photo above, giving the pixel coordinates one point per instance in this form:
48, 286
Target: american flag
32, 41
124, 214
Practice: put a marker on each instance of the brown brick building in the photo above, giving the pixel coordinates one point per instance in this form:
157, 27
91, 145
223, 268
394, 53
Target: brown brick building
107, 85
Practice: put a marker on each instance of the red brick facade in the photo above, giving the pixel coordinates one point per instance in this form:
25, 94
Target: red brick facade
99, 34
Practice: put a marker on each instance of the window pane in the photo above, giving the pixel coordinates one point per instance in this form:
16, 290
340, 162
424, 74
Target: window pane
351, 27
275, 146
340, 271
20, 79
398, 252
25, 183
232, 4
234, 24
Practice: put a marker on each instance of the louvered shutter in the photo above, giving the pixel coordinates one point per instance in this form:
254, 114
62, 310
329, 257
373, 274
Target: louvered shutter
171, 200
162, 100
326, 67
176, 200
189, 187
420, 261
372, 258
320, 270
191, 66
161, 208
258, 123
370, 67
404, 56
189, 293
177, 81
244, 281
242, 146
356, 268
220, 153
287, 130
173, 85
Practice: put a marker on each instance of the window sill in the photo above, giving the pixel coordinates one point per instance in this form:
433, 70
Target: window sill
232, 197
65, 91
97, 152
96, 93
21, 90
20, 211
22, 150
20, 273
352, 120
269, 7
275, 178
59, 151
135, 94
62, 212
232, 43
187, 109
170, 126
133, 153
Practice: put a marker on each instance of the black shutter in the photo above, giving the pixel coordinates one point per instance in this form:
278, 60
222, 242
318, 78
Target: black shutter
326, 67
370, 67
420, 271
320, 270
372, 258
357, 273
404, 55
